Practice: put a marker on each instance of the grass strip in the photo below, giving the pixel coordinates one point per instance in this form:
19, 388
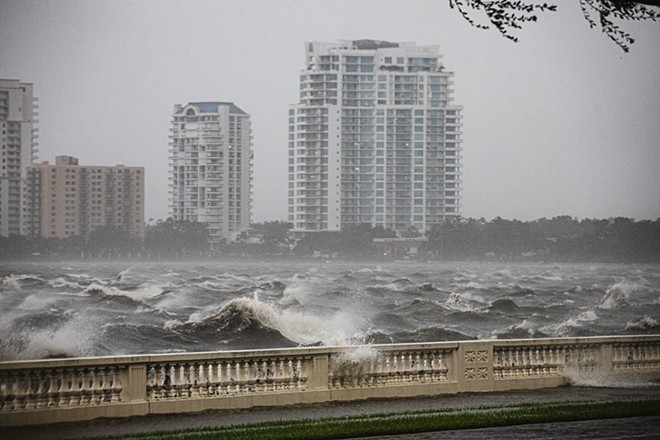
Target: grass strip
413, 422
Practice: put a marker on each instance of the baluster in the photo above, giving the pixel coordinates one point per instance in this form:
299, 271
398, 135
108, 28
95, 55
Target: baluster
405, 366
116, 388
105, 384
269, 365
65, 387
260, 370
220, 389
543, 361
85, 388
42, 390
444, 366
244, 374
52, 394
222, 378
150, 382
295, 373
515, 362
6, 395
177, 385
500, 363
76, 388
386, 370
186, 381
236, 367
506, 362
229, 377
280, 374
392, 374
426, 367
292, 374
417, 367
23, 390
235, 377
95, 394
258, 375
250, 381
191, 379
397, 366
369, 373
156, 388
288, 374
615, 356
195, 380
211, 380
199, 382
159, 380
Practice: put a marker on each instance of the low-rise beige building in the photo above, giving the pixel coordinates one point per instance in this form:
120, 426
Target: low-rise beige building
70, 199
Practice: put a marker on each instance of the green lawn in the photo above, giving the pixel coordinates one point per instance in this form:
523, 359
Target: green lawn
410, 422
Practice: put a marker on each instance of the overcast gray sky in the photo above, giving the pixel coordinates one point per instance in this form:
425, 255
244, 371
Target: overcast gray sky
562, 122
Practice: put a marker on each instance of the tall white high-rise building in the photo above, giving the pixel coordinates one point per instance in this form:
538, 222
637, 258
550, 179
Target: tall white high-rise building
18, 142
374, 139
211, 167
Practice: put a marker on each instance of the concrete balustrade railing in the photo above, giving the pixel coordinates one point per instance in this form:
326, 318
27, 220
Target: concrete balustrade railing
48, 391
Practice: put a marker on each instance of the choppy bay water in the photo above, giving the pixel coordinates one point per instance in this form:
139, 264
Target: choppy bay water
113, 308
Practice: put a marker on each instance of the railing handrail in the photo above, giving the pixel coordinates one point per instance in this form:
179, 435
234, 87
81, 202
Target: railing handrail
73, 389
307, 351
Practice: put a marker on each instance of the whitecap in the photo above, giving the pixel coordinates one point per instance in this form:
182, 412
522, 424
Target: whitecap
464, 301
644, 323
618, 295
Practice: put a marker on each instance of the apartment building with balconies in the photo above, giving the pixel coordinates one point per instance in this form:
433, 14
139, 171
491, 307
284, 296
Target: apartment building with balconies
375, 138
18, 149
210, 168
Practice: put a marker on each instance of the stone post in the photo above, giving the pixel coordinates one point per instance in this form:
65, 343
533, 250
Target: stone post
134, 383
318, 373
475, 366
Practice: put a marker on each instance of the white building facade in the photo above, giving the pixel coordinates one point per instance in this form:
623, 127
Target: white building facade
374, 139
210, 168
18, 149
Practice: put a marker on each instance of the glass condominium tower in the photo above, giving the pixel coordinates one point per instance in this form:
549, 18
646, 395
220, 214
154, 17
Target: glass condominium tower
211, 168
374, 139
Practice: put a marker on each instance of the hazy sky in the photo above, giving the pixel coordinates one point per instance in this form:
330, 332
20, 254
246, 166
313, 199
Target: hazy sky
562, 122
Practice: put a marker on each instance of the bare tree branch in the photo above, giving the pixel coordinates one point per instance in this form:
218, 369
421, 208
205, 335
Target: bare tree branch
507, 15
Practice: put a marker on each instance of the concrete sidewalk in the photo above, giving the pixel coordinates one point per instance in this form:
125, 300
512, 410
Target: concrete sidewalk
133, 425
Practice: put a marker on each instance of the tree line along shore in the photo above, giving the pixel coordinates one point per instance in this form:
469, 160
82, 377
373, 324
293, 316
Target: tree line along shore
559, 239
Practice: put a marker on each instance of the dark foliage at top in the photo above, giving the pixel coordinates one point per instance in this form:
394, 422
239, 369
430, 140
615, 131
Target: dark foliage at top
506, 16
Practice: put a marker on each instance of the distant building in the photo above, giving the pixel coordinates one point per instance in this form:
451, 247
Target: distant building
211, 168
70, 199
374, 139
18, 134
